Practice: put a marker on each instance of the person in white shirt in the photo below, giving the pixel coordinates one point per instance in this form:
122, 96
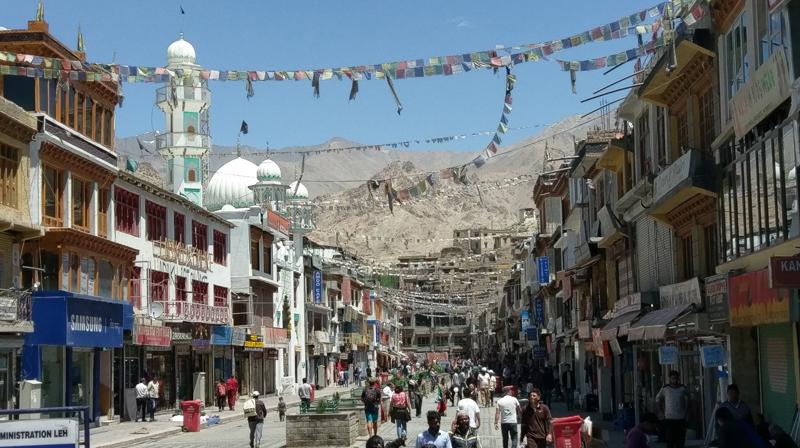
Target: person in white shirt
483, 386
492, 386
470, 406
152, 397
141, 400
507, 416
386, 397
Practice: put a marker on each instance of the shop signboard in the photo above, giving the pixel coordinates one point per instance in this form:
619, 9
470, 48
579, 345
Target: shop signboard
532, 334
64, 318
346, 291
316, 280
272, 354
614, 345
40, 433
525, 320
544, 270
254, 343
152, 335
668, 355
752, 302
713, 356
238, 336
784, 272
201, 336
181, 337
717, 298
628, 304
538, 311
761, 94
540, 352
277, 222
684, 293
276, 337
221, 335
8, 308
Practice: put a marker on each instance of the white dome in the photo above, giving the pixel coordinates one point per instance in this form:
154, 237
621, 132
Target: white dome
180, 52
268, 170
229, 185
302, 191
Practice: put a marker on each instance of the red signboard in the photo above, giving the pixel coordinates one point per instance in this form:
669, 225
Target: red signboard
346, 291
753, 302
366, 306
784, 272
277, 222
152, 335
276, 336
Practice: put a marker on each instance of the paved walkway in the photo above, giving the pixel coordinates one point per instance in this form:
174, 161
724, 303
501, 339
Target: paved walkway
128, 433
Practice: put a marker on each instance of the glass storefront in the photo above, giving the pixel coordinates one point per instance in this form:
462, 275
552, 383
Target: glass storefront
52, 376
159, 364
183, 372
81, 377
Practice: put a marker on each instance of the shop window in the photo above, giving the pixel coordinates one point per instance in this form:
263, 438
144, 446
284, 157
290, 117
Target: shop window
79, 115
179, 228
71, 120
9, 165
220, 296
89, 122
63, 110
156, 221
98, 123
423, 341
220, 247
126, 211
199, 292
682, 122
52, 195
47, 96
267, 265
199, 236
706, 119
255, 253
49, 273
159, 286
661, 138
711, 249
21, 91
81, 194
102, 212
108, 126
135, 295
106, 279
180, 289
441, 341
687, 257
772, 31
88, 276
422, 320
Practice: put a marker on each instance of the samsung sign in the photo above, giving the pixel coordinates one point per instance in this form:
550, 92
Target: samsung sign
62, 318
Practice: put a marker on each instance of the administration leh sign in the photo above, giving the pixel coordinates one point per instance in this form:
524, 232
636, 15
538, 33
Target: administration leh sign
45, 433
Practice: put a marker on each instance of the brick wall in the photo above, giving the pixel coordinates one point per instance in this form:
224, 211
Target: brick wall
322, 430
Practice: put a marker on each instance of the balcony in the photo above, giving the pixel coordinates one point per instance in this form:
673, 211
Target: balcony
195, 312
609, 228
191, 141
172, 251
168, 96
693, 63
684, 190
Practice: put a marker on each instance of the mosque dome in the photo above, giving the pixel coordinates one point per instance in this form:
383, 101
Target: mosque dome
181, 52
268, 171
302, 191
230, 185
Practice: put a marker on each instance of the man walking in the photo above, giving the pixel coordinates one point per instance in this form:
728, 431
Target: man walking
506, 416
472, 409
739, 409
141, 400
256, 422
433, 437
637, 437
463, 434
536, 422
568, 383
233, 391
483, 385
304, 393
371, 397
673, 402
152, 397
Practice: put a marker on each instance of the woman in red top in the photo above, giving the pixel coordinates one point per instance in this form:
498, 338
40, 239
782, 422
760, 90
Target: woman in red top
400, 411
222, 392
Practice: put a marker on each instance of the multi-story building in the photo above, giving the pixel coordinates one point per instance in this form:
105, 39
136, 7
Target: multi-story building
80, 309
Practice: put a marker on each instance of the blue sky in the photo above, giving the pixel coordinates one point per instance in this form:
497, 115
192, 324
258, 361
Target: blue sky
269, 35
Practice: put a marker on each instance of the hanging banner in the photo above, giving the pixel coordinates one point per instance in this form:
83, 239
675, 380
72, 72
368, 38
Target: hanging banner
668, 355
753, 302
538, 311
525, 320
713, 356
316, 281
544, 270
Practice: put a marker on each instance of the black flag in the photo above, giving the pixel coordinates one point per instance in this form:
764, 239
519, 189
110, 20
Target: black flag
243, 129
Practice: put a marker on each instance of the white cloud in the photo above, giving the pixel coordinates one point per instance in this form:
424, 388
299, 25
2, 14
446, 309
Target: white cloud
459, 22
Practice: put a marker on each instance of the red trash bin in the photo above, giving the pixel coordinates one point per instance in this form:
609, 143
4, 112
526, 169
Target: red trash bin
567, 432
191, 415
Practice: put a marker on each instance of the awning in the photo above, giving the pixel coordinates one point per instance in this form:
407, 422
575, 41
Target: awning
653, 325
619, 325
609, 228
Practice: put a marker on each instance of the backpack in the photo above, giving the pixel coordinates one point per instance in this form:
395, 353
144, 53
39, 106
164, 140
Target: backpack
250, 408
372, 396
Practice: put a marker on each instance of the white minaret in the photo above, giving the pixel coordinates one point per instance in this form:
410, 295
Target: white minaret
186, 142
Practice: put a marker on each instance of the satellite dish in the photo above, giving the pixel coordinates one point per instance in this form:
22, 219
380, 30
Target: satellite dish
156, 310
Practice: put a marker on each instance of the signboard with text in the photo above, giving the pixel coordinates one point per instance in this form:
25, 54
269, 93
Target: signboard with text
277, 222
717, 298
254, 343
668, 355
40, 433
784, 272
152, 335
316, 283
684, 293
713, 356
766, 89
753, 302
544, 270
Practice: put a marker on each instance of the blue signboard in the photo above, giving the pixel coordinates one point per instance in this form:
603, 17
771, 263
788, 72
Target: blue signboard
538, 311
539, 353
544, 270
316, 280
532, 333
222, 335
74, 320
525, 320
668, 355
713, 356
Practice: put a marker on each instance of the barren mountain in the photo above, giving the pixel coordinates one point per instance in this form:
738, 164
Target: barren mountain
347, 214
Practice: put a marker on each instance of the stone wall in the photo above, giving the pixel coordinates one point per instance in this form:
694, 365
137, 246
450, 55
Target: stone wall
322, 430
